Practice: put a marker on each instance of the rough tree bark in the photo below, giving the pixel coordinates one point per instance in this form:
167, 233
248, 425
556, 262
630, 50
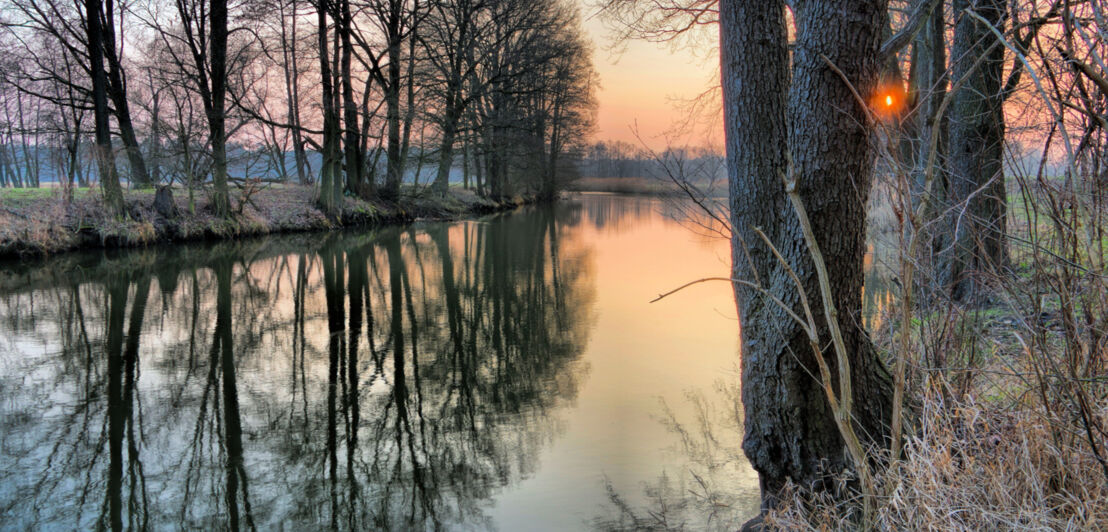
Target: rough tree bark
977, 188
790, 433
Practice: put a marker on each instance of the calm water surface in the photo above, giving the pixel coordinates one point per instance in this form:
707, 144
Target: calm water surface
508, 373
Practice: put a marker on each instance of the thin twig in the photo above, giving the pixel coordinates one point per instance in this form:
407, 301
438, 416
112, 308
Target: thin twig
742, 282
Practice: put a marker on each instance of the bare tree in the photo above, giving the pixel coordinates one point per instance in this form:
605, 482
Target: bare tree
117, 91
330, 182
49, 27
105, 158
453, 33
195, 49
289, 53
398, 19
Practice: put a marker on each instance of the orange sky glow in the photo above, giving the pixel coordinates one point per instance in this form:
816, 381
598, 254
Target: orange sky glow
643, 84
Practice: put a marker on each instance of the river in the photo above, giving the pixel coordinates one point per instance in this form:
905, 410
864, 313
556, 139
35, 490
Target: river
507, 373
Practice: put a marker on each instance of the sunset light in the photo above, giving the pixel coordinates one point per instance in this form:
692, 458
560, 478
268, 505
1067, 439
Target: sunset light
553, 265
889, 100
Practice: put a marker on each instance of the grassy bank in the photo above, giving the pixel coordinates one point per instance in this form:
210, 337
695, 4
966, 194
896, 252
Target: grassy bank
43, 221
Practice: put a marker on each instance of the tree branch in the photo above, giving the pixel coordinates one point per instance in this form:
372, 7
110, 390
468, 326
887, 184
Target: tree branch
919, 15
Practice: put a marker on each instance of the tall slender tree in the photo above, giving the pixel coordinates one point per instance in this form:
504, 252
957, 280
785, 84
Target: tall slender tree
330, 180
117, 91
356, 180
215, 105
291, 70
60, 29
453, 31
105, 157
398, 20
197, 49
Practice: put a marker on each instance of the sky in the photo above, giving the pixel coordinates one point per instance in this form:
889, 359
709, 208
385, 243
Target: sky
643, 83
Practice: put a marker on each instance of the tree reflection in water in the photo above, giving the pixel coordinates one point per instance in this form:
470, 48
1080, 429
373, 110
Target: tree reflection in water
717, 491
396, 379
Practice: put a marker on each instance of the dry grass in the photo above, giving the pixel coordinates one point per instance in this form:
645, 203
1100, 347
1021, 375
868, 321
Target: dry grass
1010, 410
1009, 395
974, 467
41, 221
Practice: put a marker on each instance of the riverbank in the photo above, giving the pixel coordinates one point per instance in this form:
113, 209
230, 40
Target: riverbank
35, 222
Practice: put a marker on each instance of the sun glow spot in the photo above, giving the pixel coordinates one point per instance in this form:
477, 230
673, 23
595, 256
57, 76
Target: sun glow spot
888, 100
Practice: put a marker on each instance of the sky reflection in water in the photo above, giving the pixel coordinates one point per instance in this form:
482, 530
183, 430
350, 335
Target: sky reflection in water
504, 373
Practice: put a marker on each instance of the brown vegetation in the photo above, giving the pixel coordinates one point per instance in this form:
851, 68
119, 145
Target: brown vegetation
43, 222
974, 467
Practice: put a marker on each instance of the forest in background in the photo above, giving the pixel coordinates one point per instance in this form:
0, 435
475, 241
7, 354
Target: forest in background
353, 98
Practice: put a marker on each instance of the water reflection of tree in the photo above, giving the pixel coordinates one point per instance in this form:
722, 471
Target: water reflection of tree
615, 212
221, 383
103, 414
391, 380
716, 490
468, 353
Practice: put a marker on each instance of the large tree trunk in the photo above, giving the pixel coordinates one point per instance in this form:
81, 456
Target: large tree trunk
479, 165
790, 433
446, 148
409, 114
549, 188
977, 191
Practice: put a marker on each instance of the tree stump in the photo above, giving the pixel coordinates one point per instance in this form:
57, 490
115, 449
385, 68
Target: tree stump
163, 202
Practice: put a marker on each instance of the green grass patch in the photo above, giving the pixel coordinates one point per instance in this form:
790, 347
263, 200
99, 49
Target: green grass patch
20, 195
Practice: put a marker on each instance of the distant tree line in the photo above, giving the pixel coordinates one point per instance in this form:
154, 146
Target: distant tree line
356, 97
615, 159
622, 159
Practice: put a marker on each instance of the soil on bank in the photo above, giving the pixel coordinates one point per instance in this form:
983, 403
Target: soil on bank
36, 222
